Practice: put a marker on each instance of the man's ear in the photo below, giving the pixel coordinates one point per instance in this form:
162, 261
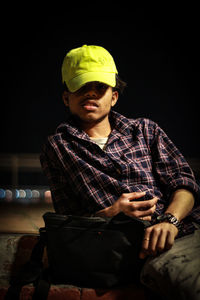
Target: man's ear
65, 98
115, 96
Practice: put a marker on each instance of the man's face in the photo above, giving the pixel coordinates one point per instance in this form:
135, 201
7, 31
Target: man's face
91, 103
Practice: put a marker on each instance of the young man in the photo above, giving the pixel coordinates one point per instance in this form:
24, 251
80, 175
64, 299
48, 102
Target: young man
99, 162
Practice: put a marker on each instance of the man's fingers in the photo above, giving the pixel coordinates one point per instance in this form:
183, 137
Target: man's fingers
169, 240
131, 205
143, 205
150, 242
154, 239
144, 213
161, 243
135, 195
145, 245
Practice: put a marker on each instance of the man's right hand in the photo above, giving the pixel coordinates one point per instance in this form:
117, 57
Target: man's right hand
126, 204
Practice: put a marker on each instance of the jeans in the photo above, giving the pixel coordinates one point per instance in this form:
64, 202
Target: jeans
175, 274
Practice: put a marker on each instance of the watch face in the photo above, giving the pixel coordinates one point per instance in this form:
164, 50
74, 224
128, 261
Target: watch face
173, 219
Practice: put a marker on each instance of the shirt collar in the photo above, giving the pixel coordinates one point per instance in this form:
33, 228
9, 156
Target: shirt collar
119, 123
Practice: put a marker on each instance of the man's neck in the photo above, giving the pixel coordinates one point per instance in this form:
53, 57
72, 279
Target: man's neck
99, 130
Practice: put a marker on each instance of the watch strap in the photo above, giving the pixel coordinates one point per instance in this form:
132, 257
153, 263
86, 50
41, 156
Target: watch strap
170, 219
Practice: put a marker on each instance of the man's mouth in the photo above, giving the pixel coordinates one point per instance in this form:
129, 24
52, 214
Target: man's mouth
89, 105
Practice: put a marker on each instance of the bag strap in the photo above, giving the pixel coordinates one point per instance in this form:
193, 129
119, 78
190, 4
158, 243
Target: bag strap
31, 272
42, 287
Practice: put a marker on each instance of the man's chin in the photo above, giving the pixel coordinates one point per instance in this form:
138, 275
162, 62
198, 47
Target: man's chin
90, 118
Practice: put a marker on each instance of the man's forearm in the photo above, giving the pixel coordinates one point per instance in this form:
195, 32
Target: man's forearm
181, 203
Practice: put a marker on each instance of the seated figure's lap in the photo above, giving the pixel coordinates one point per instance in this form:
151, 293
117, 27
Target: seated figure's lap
175, 274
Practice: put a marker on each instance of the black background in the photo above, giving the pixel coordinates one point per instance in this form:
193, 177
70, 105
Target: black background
156, 51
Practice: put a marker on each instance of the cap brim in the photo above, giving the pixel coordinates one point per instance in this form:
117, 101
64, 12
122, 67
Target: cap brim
76, 83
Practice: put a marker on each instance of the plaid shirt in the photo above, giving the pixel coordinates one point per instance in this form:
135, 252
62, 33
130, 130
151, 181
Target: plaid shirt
139, 156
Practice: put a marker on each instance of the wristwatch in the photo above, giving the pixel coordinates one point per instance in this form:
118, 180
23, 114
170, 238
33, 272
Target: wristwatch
170, 219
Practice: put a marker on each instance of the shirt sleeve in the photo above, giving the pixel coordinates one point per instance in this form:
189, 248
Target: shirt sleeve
169, 165
61, 192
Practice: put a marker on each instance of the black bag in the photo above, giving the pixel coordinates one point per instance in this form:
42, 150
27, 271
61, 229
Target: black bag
88, 251
93, 251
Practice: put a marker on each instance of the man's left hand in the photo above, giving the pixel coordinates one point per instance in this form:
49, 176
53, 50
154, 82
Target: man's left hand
158, 238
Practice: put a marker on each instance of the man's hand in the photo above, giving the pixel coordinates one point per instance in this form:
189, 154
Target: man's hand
129, 204
158, 238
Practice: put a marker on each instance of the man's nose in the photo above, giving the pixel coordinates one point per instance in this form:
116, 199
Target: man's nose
91, 91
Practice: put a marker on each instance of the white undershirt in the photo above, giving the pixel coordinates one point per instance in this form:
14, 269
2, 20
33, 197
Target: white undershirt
101, 142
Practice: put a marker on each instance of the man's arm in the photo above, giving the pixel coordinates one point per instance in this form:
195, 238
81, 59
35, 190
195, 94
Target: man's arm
181, 203
160, 237
177, 179
63, 196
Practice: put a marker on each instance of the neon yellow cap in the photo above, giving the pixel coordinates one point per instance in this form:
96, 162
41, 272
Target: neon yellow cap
86, 64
